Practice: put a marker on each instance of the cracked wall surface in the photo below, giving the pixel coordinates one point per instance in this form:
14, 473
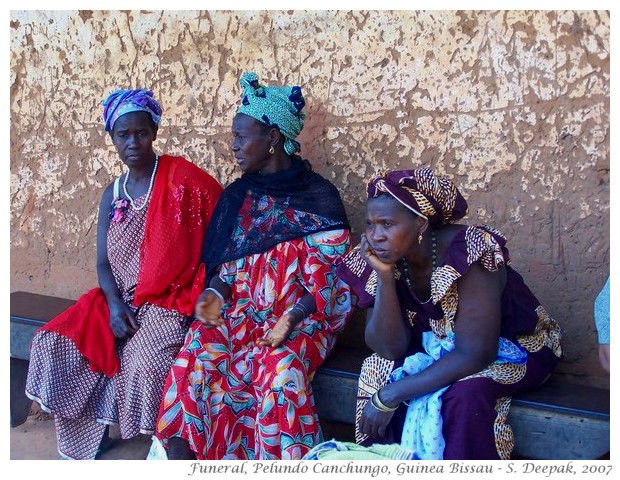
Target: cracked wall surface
512, 105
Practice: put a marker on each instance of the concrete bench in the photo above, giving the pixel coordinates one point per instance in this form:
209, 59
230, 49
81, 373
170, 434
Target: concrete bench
555, 421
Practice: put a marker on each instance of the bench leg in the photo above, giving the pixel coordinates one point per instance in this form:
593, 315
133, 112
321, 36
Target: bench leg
20, 403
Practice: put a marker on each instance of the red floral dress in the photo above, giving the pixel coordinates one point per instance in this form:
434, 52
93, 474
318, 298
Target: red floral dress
233, 400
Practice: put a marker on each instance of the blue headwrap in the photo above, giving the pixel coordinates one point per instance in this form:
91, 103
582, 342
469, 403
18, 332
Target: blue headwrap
120, 102
278, 107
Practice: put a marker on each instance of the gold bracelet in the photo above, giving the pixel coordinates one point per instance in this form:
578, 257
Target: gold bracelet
379, 405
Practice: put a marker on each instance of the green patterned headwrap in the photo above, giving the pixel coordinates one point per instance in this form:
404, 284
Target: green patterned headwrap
278, 107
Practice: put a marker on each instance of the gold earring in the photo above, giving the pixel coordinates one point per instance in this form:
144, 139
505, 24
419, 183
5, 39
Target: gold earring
420, 238
272, 150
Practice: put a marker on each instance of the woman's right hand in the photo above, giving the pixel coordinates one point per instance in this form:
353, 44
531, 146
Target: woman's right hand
375, 263
209, 310
122, 320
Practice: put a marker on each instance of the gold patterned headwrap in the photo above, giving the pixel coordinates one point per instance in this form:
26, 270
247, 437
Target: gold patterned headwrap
423, 192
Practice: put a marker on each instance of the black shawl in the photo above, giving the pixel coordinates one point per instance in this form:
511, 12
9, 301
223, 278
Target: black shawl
258, 211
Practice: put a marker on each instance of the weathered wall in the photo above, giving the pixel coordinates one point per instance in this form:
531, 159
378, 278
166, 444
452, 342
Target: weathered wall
513, 105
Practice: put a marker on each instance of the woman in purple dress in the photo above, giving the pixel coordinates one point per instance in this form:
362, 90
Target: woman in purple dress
455, 330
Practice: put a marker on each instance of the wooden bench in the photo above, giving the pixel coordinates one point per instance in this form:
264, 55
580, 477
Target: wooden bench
557, 421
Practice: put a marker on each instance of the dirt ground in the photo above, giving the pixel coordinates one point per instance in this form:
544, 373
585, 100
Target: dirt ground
36, 440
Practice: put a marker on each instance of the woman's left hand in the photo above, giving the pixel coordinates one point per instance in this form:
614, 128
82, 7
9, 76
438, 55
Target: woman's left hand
280, 331
208, 310
373, 421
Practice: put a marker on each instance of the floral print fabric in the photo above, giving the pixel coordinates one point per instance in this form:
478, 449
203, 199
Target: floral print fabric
233, 400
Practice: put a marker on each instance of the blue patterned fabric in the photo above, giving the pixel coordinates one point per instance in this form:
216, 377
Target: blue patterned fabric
277, 106
120, 102
422, 429
601, 314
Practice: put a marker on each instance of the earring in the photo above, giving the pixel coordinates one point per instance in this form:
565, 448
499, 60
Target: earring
272, 150
420, 238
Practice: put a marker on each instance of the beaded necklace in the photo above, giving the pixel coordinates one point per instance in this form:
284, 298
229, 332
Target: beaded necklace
434, 262
148, 192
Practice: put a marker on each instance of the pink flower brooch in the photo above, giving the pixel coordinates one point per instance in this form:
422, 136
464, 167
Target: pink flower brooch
118, 209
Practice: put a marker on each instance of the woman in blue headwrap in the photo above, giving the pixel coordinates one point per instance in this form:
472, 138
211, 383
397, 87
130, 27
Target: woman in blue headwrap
455, 330
104, 360
240, 387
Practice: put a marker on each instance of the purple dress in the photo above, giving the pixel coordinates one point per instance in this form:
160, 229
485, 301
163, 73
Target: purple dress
474, 409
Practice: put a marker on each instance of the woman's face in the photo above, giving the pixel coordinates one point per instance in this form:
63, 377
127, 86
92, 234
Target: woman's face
250, 143
133, 135
391, 229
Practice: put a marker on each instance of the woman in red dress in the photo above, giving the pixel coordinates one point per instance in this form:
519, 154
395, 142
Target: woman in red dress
240, 387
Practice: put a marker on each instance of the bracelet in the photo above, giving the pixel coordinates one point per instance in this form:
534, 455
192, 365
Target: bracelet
298, 306
379, 405
217, 294
303, 308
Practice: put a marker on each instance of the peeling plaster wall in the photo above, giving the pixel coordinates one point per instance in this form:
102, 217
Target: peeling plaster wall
513, 105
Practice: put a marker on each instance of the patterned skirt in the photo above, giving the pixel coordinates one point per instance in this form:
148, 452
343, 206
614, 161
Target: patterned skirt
231, 400
84, 402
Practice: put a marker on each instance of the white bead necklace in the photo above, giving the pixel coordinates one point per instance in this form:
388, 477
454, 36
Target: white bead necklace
148, 192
